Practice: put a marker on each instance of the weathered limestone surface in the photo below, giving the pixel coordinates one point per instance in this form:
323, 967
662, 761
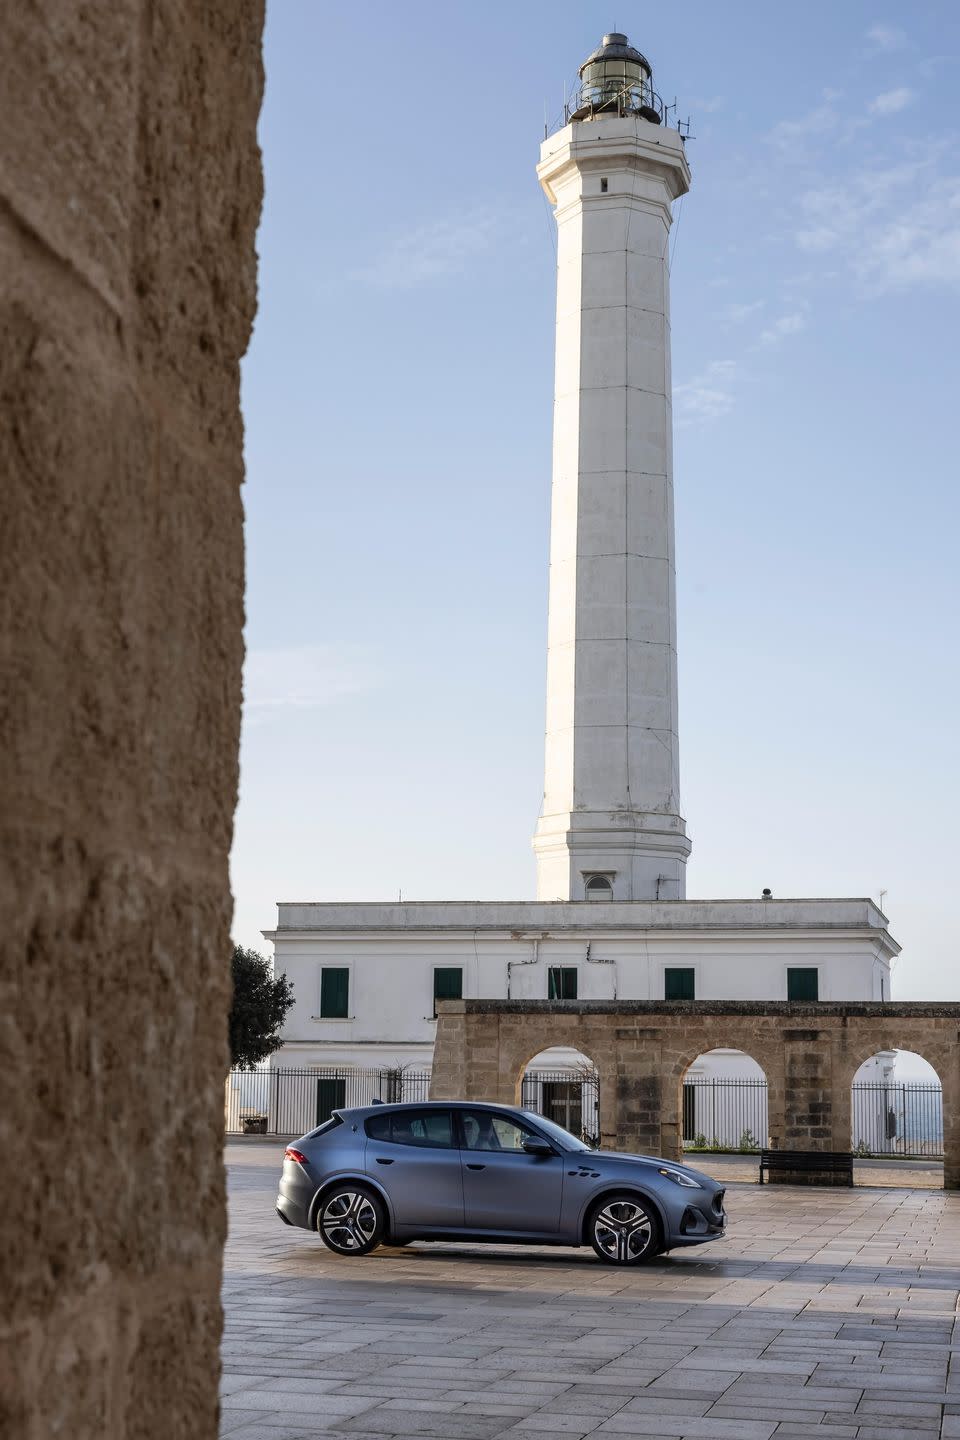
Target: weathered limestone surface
130, 191
642, 1050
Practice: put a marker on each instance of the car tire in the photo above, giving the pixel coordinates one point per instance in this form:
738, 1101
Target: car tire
351, 1219
624, 1230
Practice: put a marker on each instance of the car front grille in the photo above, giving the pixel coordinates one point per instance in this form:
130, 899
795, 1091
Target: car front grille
718, 1202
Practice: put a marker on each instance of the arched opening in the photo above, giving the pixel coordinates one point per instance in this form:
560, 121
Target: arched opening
563, 1085
896, 1118
599, 887
724, 1104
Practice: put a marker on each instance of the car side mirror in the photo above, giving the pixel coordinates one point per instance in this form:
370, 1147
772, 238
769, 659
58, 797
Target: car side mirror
534, 1145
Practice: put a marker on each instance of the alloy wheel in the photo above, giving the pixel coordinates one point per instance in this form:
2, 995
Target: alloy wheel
622, 1232
349, 1221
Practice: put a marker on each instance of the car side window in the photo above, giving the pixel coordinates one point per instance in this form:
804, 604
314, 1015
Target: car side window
484, 1130
431, 1129
378, 1127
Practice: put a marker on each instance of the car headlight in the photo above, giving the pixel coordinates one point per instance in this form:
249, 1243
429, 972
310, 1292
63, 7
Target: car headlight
678, 1178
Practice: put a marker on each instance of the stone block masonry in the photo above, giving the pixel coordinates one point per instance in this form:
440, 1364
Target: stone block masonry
642, 1050
130, 191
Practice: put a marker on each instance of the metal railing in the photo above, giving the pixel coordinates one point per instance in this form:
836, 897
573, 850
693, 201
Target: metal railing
292, 1101
570, 1098
903, 1119
725, 1115
898, 1119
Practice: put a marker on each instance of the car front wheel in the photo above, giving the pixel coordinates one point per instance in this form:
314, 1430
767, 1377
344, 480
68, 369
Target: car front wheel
624, 1231
351, 1220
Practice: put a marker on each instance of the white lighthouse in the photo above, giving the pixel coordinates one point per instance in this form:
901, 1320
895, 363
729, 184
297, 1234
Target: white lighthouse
611, 825
368, 976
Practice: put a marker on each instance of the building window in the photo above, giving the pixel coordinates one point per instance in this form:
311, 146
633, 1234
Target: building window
679, 984
562, 982
334, 992
599, 887
447, 984
603, 185
803, 983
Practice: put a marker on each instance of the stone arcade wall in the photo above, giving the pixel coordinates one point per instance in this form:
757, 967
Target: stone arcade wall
642, 1050
130, 184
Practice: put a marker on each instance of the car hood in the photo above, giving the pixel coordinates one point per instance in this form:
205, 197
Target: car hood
652, 1162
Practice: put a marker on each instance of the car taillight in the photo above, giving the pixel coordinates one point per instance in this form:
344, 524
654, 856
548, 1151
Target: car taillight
291, 1154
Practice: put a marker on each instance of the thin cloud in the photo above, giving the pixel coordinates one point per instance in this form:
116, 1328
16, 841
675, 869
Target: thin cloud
707, 397
305, 677
433, 251
885, 38
891, 101
789, 324
894, 227
739, 313
793, 135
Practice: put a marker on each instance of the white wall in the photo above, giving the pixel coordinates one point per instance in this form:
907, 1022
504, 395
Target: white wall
391, 976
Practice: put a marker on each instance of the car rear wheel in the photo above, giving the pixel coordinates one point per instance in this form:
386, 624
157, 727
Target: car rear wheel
623, 1230
351, 1220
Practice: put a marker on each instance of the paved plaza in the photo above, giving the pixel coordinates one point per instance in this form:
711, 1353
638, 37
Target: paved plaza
825, 1314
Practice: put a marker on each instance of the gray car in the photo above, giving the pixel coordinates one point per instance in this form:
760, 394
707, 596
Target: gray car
389, 1174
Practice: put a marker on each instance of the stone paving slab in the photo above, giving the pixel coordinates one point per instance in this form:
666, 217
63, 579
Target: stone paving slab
826, 1314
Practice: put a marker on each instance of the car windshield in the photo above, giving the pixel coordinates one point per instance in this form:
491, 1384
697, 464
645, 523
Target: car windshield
557, 1132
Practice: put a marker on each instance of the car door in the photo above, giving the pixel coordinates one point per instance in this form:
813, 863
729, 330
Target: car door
413, 1153
504, 1188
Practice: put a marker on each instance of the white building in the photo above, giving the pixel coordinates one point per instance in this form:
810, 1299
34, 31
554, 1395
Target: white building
611, 829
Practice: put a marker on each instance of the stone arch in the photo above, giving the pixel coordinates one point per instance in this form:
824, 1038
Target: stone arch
809, 1052
724, 1107
721, 1036
518, 1044
562, 1083
899, 1116
865, 1048
867, 1041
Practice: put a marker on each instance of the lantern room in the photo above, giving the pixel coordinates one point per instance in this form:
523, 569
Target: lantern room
617, 80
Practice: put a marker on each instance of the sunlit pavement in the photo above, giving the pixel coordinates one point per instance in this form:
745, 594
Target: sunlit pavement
825, 1313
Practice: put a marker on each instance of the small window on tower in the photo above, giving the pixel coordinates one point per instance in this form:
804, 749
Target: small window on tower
603, 185
599, 887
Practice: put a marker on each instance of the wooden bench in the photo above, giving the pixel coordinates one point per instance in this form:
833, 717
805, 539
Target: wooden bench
835, 1166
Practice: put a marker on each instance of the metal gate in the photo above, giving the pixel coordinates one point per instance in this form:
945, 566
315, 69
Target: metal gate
893, 1119
570, 1098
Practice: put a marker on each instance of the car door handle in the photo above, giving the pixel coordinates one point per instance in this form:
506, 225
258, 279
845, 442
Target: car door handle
476, 1167
382, 1161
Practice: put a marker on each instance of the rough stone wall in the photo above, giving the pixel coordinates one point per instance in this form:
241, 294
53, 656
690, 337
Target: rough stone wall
130, 191
642, 1050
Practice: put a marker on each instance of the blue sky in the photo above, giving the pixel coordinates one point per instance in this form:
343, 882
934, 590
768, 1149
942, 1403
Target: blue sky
397, 397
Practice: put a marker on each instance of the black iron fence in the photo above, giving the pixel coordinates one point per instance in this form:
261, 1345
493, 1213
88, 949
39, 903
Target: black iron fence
898, 1119
290, 1102
570, 1098
887, 1119
725, 1114
903, 1119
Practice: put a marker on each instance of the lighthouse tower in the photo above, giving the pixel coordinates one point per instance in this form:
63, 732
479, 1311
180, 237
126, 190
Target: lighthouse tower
611, 825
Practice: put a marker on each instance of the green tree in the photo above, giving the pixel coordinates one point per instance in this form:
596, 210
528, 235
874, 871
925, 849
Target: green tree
260, 1002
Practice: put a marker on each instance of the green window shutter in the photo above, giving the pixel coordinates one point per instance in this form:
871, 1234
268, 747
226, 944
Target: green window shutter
447, 984
334, 993
803, 984
562, 982
679, 984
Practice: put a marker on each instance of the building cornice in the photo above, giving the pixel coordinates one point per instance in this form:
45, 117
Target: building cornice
637, 920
